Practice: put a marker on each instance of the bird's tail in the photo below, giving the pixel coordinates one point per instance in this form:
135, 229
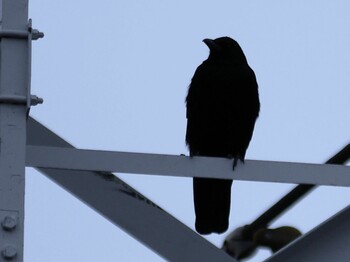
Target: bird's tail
212, 200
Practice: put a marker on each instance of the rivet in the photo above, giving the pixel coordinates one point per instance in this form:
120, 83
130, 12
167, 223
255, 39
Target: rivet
9, 223
9, 252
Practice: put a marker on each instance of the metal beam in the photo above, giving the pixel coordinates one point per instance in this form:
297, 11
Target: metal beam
292, 197
170, 165
14, 82
127, 208
328, 242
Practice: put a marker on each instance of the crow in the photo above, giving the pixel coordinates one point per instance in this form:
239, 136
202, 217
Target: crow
222, 107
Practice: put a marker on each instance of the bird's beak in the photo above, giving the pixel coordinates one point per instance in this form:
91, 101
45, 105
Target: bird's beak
211, 44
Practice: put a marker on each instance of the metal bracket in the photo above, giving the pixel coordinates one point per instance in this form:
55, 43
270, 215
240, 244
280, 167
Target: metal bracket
33, 34
13, 99
30, 34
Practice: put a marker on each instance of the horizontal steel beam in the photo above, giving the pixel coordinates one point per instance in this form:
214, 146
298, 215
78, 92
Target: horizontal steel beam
170, 165
124, 206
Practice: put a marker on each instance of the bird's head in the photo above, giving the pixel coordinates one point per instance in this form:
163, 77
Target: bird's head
225, 49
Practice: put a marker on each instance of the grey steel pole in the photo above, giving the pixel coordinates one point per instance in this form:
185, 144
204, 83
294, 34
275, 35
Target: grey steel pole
14, 77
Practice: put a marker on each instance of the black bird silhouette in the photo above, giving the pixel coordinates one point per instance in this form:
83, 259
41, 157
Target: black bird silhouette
222, 107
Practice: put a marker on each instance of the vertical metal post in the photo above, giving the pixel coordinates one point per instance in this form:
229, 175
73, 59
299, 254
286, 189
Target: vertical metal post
14, 62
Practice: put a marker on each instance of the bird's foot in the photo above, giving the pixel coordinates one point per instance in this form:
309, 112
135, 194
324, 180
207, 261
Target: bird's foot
192, 154
235, 160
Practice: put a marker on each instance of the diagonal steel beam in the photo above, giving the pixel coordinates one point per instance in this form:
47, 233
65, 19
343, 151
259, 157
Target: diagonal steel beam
127, 208
233, 243
329, 241
295, 194
170, 165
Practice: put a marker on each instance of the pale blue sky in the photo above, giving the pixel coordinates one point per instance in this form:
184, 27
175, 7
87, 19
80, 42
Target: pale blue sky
114, 76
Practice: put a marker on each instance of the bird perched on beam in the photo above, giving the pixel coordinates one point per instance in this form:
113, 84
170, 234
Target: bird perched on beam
222, 107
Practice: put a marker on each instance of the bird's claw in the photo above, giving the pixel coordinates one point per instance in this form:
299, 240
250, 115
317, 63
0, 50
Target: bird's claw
235, 161
192, 154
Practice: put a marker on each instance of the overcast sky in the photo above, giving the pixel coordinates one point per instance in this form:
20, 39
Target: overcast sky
114, 76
